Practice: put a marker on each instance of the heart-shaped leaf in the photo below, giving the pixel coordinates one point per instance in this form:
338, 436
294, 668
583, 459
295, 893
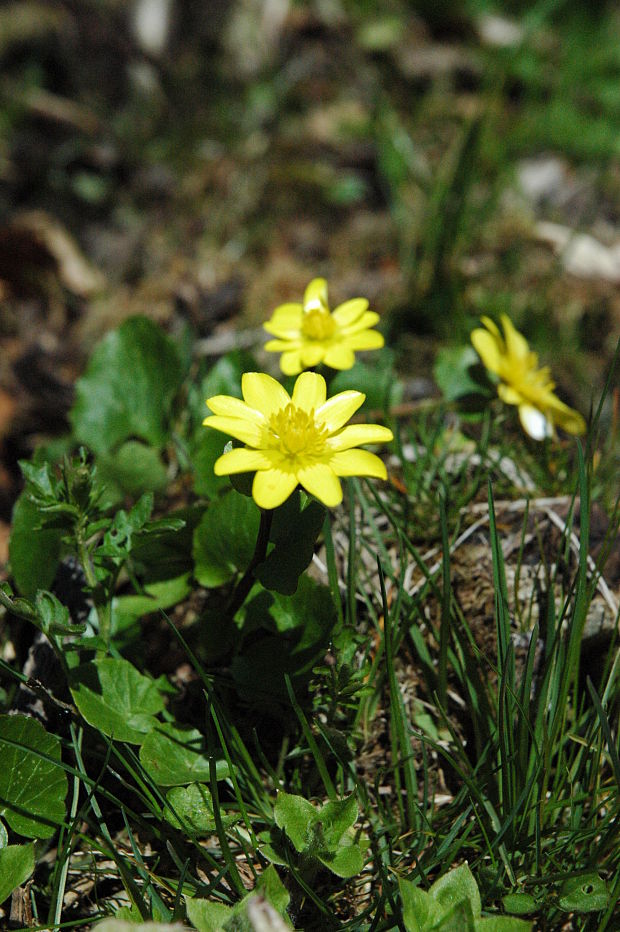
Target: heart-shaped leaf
224, 540
34, 551
128, 388
33, 786
116, 698
585, 894
16, 866
175, 756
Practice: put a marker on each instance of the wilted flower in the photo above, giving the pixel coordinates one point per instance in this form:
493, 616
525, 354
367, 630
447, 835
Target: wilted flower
309, 333
522, 383
295, 440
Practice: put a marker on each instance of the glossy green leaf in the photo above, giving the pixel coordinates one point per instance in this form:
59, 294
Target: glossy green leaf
585, 894
128, 388
225, 539
175, 756
457, 885
459, 374
133, 469
190, 809
294, 533
34, 552
33, 786
16, 866
116, 698
520, 904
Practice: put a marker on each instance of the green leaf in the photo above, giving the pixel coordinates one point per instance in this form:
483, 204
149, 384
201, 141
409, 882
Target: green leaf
337, 816
296, 816
34, 552
133, 469
175, 756
520, 904
457, 885
294, 534
346, 862
206, 916
128, 388
207, 447
303, 624
120, 925
585, 894
33, 786
418, 906
225, 539
128, 608
502, 924
458, 918
116, 698
191, 809
16, 866
459, 373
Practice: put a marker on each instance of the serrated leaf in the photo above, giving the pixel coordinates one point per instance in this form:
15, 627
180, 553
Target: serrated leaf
225, 539
16, 866
34, 552
32, 786
585, 894
175, 756
128, 388
116, 698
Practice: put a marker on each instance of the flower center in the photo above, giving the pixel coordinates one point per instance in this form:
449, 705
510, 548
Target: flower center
317, 323
296, 431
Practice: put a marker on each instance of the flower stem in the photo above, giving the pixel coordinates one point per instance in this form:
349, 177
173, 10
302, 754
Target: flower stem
246, 582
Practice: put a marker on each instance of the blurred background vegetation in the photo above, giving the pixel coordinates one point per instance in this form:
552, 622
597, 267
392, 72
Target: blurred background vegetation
200, 161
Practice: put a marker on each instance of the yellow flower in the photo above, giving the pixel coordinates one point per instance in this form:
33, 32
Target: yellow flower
309, 333
299, 439
522, 383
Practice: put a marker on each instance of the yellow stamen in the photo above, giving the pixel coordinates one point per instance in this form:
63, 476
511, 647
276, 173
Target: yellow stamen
317, 323
295, 432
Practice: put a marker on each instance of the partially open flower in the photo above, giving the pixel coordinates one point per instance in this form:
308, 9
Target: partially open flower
309, 333
522, 383
295, 440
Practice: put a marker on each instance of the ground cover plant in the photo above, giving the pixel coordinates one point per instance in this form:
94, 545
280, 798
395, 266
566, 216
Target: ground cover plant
310, 621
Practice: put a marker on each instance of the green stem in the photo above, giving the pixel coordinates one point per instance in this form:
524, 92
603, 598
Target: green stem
102, 612
241, 590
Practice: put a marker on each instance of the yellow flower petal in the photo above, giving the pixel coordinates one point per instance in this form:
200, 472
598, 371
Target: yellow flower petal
290, 362
365, 340
535, 424
568, 419
249, 432
358, 463
315, 294
311, 354
282, 346
516, 344
339, 356
347, 313
356, 434
228, 406
510, 395
241, 459
488, 349
365, 322
285, 320
339, 409
492, 326
264, 393
322, 482
271, 487
310, 391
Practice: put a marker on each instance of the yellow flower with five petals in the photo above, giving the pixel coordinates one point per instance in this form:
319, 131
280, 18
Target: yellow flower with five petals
522, 383
299, 439
309, 333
